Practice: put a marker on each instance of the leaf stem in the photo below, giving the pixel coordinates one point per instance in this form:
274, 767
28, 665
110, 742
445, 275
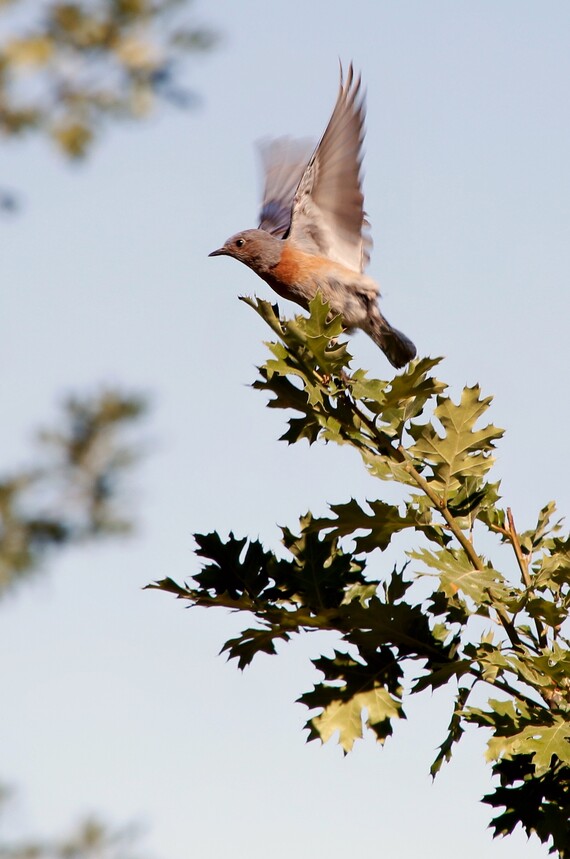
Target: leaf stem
505, 686
401, 455
523, 566
466, 544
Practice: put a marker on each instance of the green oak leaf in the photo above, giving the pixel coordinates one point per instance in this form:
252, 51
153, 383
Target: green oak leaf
399, 625
238, 566
401, 399
456, 573
440, 675
462, 451
541, 741
346, 717
455, 731
553, 569
320, 572
384, 521
251, 642
532, 540
538, 803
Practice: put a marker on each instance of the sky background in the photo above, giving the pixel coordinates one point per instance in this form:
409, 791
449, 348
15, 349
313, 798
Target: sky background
115, 700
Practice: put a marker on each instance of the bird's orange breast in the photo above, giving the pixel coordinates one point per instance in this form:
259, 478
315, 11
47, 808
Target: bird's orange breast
291, 267
297, 267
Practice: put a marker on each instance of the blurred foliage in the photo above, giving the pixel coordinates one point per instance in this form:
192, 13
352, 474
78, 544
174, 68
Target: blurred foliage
496, 638
67, 68
75, 494
90, 839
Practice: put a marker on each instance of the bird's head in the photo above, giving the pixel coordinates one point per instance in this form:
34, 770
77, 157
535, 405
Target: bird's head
257, 249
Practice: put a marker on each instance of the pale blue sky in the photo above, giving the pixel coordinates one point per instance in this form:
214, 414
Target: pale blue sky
114, 698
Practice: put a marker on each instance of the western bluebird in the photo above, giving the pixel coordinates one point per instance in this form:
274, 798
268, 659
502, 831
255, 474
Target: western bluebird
313, 233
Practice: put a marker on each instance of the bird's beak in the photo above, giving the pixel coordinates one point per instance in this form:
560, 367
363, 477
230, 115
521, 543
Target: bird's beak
220, 252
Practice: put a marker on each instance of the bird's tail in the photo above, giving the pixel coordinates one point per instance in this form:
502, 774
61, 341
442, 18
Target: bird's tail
395, 345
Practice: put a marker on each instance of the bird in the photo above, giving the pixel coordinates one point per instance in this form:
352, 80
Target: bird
313, 235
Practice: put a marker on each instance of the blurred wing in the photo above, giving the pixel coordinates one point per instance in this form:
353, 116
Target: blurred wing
328, 216
284, 161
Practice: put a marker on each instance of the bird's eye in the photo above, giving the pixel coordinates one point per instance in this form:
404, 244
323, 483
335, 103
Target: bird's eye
240, 243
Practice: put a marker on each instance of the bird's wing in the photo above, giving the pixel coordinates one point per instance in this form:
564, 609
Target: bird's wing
284, 161
328, 216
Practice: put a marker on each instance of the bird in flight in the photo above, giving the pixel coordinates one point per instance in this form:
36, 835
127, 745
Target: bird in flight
313, 233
